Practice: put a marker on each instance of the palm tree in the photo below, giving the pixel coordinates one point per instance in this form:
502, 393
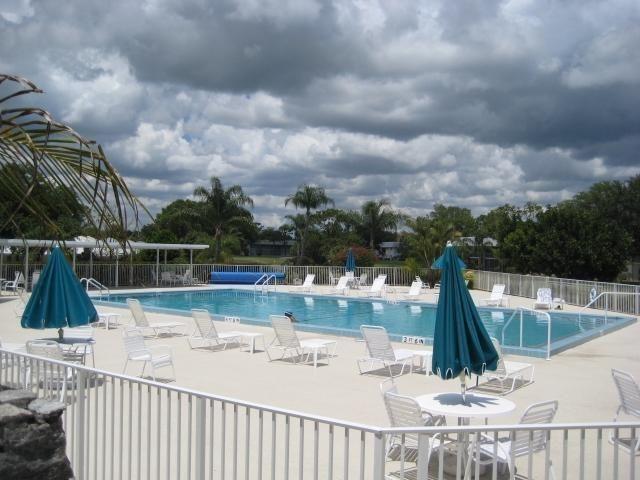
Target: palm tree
309, 197
377, 216
36, 150
223, 209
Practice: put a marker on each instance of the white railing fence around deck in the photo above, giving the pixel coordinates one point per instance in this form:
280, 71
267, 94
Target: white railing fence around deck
574, 292
129, 428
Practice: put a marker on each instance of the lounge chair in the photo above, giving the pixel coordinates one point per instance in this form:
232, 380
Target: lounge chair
342, 287
405, 412
509, 375
414, 291
287, 341
13, 285
629, 394
306, 285
497, 296
136, 349
544, 299
521, 442
378, 287
381, 351
206, 335
141, 322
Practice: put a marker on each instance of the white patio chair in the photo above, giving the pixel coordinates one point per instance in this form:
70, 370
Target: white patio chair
53, 377
287, 341
306, 285
84, 345
381, 351
342, 287
206, 335
35, 277
167, 278
519, 443
414, 291
157, 356
332, 278
405, 412
629, 394
141, 322
13, 285
508, 374
362, 280
497, 296
544, 299
378, 287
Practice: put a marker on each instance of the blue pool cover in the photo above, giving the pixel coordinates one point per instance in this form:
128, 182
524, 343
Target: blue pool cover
242, 277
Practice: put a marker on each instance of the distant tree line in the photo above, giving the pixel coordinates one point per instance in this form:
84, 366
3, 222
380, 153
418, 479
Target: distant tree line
591, 236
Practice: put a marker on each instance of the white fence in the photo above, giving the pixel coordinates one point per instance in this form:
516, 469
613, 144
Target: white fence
128, 428
575, 292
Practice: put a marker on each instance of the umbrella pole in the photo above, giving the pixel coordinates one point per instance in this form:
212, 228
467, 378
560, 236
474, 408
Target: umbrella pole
60, 334
463, 386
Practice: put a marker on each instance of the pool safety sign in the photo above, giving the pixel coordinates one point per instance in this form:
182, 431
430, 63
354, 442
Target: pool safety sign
416, 340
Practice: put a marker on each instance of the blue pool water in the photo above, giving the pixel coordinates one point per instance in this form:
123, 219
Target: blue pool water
345, 315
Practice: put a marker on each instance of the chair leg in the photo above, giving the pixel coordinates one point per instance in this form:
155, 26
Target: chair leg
125, 366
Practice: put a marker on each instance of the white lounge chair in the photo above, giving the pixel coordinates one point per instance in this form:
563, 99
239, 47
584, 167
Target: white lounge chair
497, 296
141, 322
414, 291
381, 351
287, 341
521, 442
544, 299
206, 335
306, 285
342, 287
136, 349
405, 412
13, 285
629, 394
378, 287
509, 375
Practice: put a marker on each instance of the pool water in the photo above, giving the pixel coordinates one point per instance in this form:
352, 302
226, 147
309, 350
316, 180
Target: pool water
345, 315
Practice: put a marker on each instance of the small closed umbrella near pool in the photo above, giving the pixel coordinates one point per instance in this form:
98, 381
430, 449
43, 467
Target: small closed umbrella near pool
350, 265
58, 299
461, 344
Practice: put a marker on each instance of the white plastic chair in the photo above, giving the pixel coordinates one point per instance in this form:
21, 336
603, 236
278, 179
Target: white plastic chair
520, 443
141, 322
84, 347
629, 394
157, 356
381, 351
287, 340
414, 291
509, 374
14, 284
306, 285
206, 335
544, 299
342, 287
378, 287
497, 296
53, 377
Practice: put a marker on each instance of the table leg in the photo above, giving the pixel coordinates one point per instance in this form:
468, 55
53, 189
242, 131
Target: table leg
315, 358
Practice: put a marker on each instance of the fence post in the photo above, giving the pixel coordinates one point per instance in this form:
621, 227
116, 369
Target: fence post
378, 456
79, 423
423, 455
200, 439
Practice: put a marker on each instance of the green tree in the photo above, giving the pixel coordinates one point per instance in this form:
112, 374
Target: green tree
307, 197
58, 160
223, 210
377, 217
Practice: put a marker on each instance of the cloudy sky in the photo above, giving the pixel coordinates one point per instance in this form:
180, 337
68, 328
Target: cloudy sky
468, 103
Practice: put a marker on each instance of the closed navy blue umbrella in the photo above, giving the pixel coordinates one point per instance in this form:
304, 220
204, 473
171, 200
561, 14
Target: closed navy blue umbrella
351, 261
58, 299
461, 343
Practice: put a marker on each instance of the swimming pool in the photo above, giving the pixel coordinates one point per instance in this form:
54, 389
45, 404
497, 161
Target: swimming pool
344, 316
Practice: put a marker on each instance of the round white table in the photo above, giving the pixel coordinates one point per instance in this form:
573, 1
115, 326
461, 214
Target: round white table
475, 405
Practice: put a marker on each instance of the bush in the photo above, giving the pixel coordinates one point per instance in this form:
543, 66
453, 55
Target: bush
364, 256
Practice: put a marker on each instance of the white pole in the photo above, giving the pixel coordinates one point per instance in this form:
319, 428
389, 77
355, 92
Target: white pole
157, 266
26, 269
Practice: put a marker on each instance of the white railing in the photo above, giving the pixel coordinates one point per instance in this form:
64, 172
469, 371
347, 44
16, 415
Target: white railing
535, 312
574, 292
92, 282
606, 296
129, 428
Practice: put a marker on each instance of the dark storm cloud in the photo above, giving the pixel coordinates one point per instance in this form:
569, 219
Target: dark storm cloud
470, 102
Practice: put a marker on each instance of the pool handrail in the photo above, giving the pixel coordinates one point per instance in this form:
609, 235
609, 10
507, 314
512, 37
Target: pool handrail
606, 305
538, 312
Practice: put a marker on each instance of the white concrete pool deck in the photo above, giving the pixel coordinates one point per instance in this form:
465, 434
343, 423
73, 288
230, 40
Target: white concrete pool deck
579, 378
